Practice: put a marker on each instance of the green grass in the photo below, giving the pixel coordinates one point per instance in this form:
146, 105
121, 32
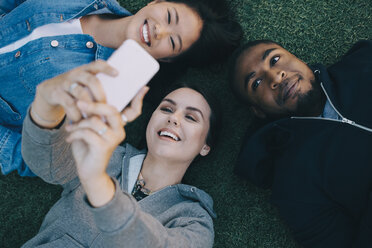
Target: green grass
316, 31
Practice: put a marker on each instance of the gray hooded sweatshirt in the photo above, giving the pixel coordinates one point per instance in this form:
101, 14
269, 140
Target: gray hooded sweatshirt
175, 216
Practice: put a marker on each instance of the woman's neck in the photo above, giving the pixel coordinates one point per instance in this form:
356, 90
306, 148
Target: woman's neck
159, 173
107, 32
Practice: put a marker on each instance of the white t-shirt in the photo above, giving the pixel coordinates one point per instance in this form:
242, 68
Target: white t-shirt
70, 27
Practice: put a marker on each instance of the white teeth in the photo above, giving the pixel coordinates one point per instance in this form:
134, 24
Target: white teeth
145, 33
168, 134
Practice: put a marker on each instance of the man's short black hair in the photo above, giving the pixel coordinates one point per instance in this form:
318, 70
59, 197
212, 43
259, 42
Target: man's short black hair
232, 65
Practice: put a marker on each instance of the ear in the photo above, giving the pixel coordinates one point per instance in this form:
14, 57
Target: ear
205, 150
258, 112
155, 1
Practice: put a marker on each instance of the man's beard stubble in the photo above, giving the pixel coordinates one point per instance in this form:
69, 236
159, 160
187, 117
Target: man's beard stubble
311, 103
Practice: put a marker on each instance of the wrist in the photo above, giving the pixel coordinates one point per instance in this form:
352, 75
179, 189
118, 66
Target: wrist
46, 116
99, 190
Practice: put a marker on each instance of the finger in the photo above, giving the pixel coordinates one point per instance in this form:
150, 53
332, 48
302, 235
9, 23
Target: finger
80, 92
89, 83
100, 66
88, 136
69, 105
135, 108
109, 112
94, 123
93, 138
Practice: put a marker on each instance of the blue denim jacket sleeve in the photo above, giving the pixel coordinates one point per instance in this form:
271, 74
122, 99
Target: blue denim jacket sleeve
7, 5
10, 150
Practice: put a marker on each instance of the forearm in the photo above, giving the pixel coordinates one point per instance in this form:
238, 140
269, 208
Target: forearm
46, 115
99, 190
47, 154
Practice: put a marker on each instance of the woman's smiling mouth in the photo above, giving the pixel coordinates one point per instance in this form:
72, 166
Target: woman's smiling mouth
168, 135
145, 33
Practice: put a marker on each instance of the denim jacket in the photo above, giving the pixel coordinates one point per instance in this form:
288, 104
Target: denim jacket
23, 69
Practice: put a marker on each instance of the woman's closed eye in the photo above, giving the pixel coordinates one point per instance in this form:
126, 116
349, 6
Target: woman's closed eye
191, 118
166, 109
169, 17
172, 42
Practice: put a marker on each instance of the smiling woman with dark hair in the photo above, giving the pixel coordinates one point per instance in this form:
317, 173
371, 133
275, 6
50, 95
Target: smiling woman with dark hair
41, 39
117, 196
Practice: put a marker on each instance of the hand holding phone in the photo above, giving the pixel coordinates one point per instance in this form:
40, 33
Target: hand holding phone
136, 67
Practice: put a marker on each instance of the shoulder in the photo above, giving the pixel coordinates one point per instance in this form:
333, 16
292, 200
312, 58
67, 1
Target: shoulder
116, 8
357, 57
363, 45
271, 145
198, 196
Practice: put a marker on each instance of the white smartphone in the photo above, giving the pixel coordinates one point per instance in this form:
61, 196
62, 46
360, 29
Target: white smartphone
135, 66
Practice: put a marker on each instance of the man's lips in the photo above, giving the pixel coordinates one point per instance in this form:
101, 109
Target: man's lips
290, 89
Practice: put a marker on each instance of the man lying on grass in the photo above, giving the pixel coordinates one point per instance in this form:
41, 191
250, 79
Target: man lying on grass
315, 152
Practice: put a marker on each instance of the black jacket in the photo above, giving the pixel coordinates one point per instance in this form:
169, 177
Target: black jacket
319, 170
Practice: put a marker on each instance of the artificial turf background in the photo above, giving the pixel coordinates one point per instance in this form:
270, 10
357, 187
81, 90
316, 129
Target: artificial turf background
316, 31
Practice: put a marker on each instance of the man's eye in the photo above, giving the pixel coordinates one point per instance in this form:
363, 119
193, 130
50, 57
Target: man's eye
256, 83
190, 117
169, 17
172, 42
274, 60
166, 109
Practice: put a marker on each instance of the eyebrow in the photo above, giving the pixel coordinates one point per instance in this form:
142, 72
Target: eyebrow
180, 41
177, 17
267, 52
169, 100
188, 108
252, 74
196, 110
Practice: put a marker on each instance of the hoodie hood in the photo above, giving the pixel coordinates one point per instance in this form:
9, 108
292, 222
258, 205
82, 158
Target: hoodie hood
198, 195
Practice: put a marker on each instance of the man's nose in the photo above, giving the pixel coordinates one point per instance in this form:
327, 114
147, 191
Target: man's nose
277, 78
161, 31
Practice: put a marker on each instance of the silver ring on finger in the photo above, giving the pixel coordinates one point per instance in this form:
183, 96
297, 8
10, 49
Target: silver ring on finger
102, 131
72, 87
